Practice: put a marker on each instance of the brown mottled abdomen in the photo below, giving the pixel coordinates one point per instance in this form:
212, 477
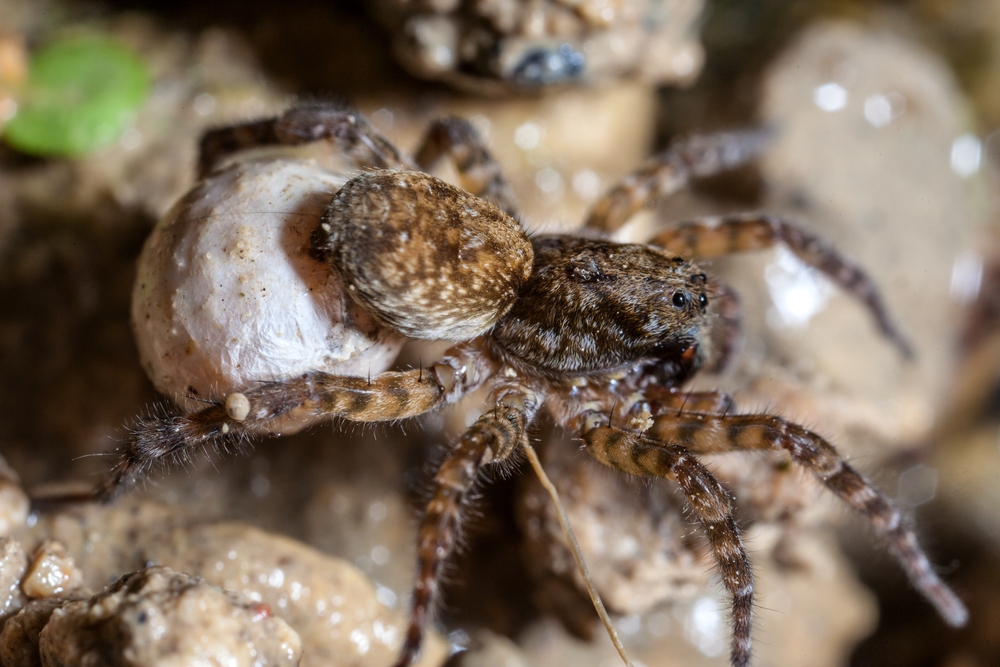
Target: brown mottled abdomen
424, 257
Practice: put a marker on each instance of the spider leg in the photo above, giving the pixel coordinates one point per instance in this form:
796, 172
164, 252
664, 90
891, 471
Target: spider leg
303, 124
670, 171
635, 453
673, 399
386, 397
494, 437
657, 399
722, 235
705, 433
479, 172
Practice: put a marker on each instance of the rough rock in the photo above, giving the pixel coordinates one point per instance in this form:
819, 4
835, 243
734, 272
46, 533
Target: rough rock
332, 605
502, 45
160, 618
13, 565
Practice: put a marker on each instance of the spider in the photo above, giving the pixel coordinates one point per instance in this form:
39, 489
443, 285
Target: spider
578, 327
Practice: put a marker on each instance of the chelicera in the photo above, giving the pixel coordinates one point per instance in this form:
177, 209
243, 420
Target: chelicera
576, 327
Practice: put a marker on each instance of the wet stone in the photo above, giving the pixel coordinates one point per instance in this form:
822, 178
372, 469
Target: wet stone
158, 617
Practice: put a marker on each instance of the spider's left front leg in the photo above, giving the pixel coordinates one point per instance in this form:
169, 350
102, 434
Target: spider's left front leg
637, 454
493, 438
708, 433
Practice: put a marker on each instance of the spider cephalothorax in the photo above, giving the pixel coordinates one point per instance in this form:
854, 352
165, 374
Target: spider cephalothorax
594, 307
577, 327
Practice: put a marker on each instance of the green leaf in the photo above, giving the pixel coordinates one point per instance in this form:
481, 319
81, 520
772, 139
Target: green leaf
81, 94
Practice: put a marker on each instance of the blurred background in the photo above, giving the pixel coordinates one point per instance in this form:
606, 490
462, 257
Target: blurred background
888, 144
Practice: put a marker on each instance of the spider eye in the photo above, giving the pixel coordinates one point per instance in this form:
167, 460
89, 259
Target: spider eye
702, 301
680, 299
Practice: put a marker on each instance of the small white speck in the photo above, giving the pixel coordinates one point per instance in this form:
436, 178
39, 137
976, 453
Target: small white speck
549, 181
830, 96
878, 110
798, 291
704, 628
377, 511
204, 104
966, 277
360, 639
966, 155
380, 555
629, 625
527, 136
442, 56
587, 184
386, 596
383, 119
682, 64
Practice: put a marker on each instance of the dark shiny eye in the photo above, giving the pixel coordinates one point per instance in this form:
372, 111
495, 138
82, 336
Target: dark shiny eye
680, 299
702, 301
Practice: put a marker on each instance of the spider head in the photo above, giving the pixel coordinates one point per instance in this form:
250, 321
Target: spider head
593, 307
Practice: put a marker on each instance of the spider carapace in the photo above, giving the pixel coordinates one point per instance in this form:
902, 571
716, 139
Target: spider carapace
575, 326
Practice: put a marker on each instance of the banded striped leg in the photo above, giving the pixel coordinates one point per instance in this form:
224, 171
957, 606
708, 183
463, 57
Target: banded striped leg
634, 453
712, 237
494, 437
346, 129
670, 171
701, 433
675, 400
479, 172
386, 397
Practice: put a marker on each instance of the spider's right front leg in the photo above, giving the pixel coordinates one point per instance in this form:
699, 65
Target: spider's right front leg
386, 397
306, 123
637, 454
494, 437
728, 234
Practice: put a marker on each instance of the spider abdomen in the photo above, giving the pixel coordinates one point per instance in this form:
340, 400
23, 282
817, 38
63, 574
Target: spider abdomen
424, 257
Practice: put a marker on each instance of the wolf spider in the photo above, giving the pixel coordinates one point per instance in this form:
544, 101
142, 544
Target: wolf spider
580, 326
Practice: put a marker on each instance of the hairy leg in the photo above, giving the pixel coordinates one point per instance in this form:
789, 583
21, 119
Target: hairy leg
386, 397
494, 437
670, 171
306, 123
705, 433
479, 172
688, 401
723, 235
637, 454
